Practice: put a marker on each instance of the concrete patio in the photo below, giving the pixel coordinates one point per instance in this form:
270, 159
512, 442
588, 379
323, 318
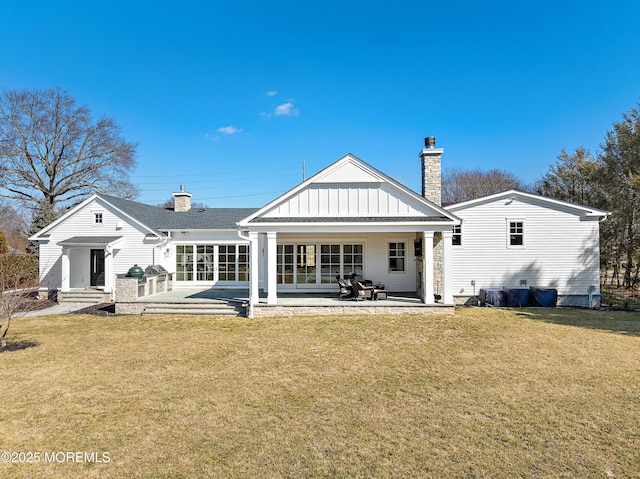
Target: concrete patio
289, 304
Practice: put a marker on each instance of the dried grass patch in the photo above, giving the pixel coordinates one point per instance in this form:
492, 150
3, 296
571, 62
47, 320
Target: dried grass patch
484, 393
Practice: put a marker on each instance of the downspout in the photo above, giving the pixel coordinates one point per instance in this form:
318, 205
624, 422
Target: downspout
163, 241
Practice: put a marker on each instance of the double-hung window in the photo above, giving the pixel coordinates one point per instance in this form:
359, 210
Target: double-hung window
516, 233
456, 239
397, 257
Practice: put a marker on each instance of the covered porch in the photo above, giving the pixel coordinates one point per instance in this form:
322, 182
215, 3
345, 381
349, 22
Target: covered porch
410, 265
87, 262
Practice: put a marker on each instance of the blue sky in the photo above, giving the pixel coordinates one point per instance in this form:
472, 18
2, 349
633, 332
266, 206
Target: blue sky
229, 97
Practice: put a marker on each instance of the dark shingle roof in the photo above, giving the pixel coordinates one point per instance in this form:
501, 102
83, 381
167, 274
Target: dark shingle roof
162, 219
89, 240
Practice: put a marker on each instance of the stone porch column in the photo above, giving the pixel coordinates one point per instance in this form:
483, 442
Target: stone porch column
254, 269
447, 286
272, 261
427, 268
65, 274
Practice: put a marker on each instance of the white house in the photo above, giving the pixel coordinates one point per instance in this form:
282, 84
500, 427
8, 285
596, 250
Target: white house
348, 218
517, 239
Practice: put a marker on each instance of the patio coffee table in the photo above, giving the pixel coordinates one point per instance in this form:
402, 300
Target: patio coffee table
379, 292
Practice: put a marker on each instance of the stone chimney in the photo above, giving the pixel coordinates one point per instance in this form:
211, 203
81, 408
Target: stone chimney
431, 181
181, 200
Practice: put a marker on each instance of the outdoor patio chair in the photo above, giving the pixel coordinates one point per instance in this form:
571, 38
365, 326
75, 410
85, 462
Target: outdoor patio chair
361, 291
346, 290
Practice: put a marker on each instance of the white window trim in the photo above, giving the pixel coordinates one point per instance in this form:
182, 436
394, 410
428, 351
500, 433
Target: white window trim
406, 256
95, 217
216, 263
524, 233
453, 229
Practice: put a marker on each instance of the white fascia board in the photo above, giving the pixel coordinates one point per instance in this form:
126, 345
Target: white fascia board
200, 230
416, 225
543, 199
342, 229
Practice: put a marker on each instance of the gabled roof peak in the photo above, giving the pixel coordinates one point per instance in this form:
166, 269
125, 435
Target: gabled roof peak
517, 194
349, 170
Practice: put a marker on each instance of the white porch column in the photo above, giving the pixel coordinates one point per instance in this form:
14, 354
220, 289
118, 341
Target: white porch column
254, 271
447, 287
272, 261
427, 268
108, 271
65, 279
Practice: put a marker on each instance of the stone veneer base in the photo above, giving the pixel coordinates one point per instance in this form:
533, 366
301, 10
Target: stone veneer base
263, 310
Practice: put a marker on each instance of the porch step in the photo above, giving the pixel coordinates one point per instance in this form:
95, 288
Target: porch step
210, 308
84, 296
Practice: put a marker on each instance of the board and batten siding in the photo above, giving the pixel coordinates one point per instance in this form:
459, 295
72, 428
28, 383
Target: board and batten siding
347, 200
561, 248
134, 248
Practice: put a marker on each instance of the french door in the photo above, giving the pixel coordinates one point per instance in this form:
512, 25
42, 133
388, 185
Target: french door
316, 265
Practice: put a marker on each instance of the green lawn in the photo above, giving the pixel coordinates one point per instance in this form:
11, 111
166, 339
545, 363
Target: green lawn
483, 393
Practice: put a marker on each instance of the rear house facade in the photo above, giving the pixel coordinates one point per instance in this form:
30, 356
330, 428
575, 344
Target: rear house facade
348, 218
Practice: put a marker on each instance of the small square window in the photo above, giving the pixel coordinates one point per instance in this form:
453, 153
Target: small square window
97, 218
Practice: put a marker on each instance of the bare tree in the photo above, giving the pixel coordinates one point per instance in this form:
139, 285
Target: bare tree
462, 185
52, 151
14, 225
4, 248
